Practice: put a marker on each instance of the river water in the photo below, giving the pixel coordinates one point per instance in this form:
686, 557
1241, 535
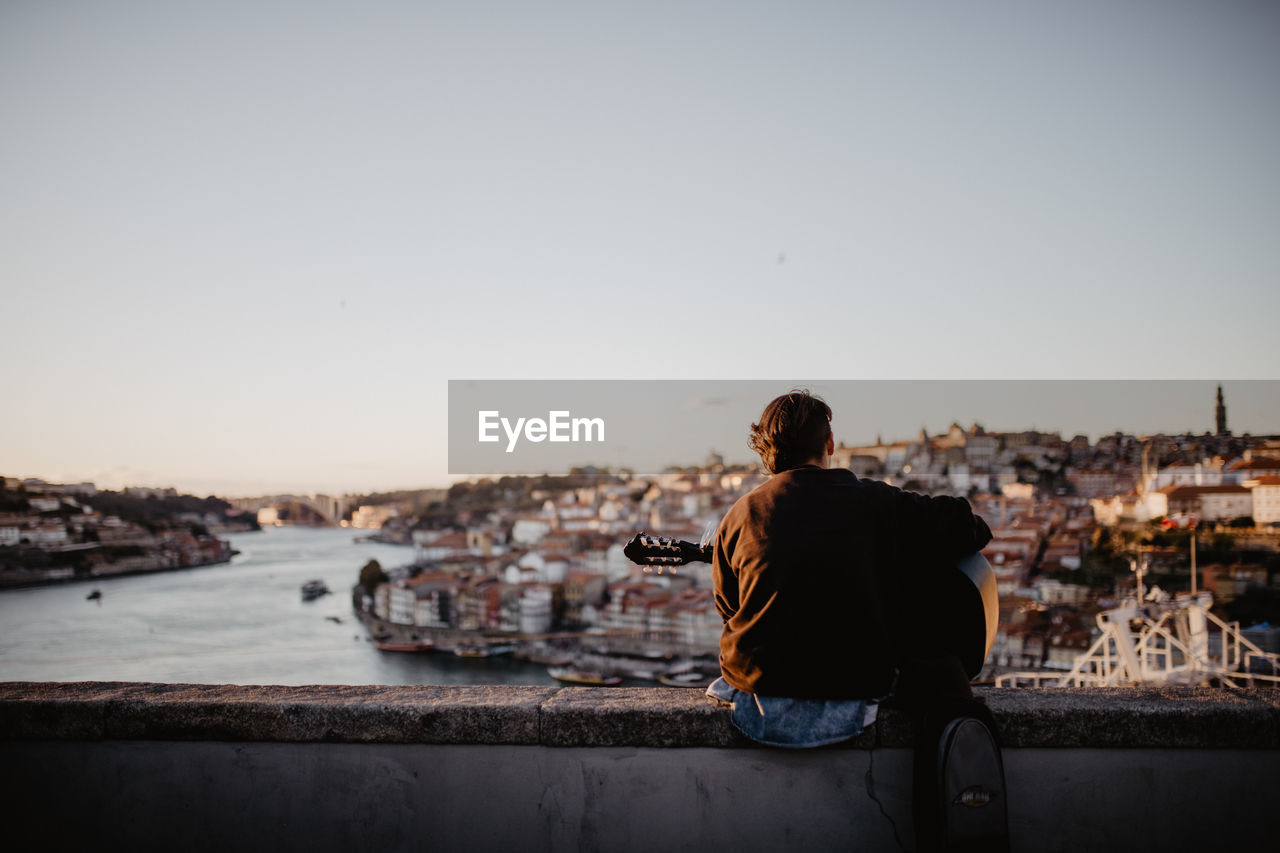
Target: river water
242, 622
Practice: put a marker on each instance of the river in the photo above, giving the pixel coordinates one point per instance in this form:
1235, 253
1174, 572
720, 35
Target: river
242, 622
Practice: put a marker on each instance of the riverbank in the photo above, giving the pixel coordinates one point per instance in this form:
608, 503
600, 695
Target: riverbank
634, 657
26, 579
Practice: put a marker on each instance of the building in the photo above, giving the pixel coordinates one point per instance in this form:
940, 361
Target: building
1093, 482
434, 597
432, 545
1266, 500
1209, 503
1253, 468
582, 590
535, 609
373, 517
1055, 592
1188, 474
46, 534
479, 604
382, 602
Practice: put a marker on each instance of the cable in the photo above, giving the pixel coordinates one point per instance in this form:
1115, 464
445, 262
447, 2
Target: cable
871, 792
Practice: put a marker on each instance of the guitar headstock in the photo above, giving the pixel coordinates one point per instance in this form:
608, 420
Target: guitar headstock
664, 552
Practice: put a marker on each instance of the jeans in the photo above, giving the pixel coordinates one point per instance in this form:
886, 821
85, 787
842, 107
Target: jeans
794, 723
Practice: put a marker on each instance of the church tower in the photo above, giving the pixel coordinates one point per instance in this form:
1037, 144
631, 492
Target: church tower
1220, 414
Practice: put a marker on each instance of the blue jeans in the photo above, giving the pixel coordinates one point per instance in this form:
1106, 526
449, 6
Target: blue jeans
794, 723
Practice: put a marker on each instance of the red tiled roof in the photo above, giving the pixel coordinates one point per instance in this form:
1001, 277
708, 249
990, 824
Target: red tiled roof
1196, 491
429, 577
1256, 464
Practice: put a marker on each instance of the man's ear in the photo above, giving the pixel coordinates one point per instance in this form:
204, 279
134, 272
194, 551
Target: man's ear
831, 443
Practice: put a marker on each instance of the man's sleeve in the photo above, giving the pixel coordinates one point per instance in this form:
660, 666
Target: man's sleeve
941, 527
726, 582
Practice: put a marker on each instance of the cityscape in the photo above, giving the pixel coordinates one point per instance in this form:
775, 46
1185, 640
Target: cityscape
303, 300
534, 566
1143, 563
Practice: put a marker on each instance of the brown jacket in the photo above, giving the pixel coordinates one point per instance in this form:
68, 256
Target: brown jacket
814, 571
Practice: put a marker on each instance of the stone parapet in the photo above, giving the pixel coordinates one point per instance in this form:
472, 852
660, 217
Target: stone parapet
1163, 717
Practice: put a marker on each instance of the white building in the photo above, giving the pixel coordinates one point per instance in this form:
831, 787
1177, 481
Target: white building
401, 603
616, 564
958, 476
980, 451
1266, 500
1055, 592
1186, 474
535, 609
693, 618
1113, 510
433, 607
431, 545
47, 534
1210, 503
529, 531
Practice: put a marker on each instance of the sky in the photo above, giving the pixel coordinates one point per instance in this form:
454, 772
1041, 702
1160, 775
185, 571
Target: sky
245, 246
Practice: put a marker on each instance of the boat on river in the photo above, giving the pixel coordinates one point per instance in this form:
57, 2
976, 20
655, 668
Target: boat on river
483, 650
688, 678
573, 675
313, 589
404, 645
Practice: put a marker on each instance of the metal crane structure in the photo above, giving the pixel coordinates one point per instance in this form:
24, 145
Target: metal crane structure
1162, 640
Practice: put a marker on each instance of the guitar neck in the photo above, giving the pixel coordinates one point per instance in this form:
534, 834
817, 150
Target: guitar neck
659, 551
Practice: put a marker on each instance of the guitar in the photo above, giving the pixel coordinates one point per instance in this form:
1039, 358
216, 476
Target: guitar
665, 552
961, 613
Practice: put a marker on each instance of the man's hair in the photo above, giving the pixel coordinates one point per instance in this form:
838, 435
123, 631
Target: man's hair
792, 430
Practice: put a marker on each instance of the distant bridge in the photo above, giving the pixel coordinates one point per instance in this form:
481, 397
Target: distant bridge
329, 509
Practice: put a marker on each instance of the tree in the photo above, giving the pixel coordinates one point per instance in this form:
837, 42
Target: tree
371, 574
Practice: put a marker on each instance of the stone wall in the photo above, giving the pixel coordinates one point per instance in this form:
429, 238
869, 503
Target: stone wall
161, 766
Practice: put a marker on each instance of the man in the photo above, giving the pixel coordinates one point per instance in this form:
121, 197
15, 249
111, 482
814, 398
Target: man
818, 575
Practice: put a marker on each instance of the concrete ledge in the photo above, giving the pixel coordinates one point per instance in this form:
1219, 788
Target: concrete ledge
333, 714
1165, 717
1123, 717
546, 769
636, 716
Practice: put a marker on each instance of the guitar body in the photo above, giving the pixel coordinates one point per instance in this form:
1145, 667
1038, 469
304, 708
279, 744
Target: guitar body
979, 572
958, 614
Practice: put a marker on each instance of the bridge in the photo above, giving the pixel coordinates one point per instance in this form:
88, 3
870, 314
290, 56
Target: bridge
329, 509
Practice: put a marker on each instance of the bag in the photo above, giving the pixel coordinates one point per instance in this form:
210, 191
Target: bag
961, 801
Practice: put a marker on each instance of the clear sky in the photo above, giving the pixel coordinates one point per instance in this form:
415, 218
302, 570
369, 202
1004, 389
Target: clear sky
243, 246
